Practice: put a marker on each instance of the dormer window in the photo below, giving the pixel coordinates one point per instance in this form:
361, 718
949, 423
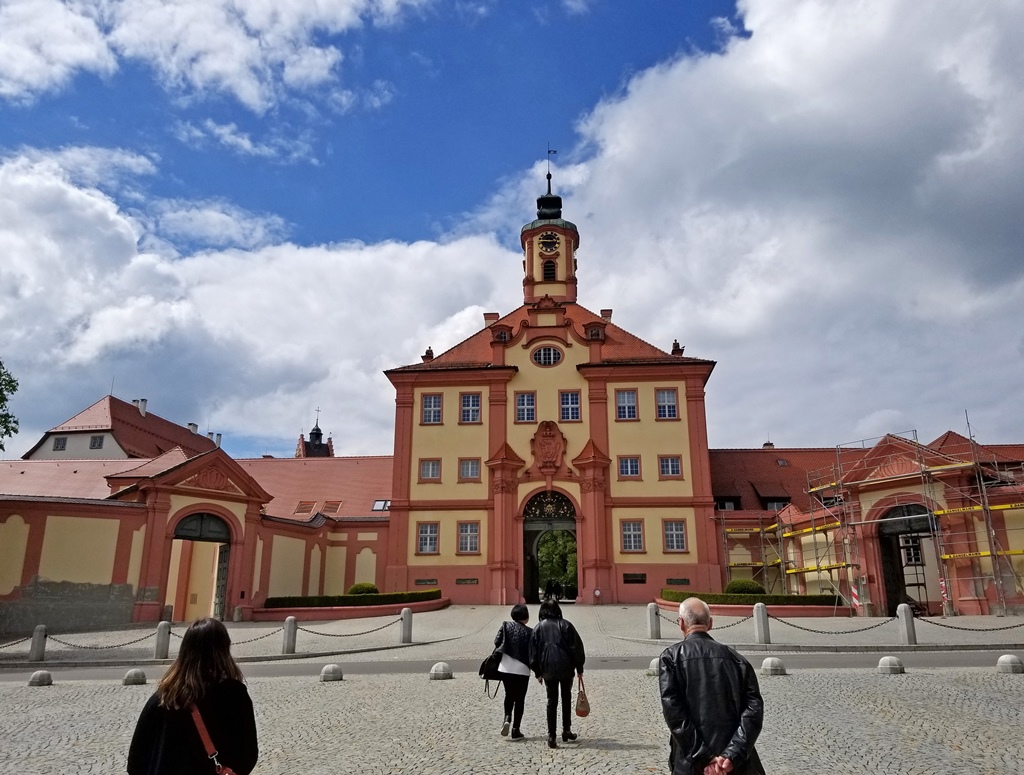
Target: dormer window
550, 271
595, 334
502, 336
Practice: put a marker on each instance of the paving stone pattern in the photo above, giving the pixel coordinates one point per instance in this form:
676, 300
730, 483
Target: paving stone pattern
937, 722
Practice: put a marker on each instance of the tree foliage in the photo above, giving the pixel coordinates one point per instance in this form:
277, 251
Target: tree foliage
8, 387
556, 557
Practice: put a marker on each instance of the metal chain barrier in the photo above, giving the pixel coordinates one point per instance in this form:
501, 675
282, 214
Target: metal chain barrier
971, 629
15, 642
258, 637
832, 632
100, 648
717, 627
350, 634
179, 637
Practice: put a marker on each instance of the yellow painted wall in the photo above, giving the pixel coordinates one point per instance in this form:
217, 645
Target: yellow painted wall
654, 539
135, 557
172, 576
179, 502
334, 572
201, 580
79, 549
13, 543
1014, 521
448, 538
366, 566
257, 571
366, 536
287, 556
448, 443
313, 584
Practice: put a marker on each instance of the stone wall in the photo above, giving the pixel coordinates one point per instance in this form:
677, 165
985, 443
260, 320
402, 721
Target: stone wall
64, 606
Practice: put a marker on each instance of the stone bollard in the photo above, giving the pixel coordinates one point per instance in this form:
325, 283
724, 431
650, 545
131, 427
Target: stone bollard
441, 671
890, 666
1009, 663
236, 615
41, 678
773, 666
908, 634
134, 677
37, 651
405, 631
761, 633
332, 673
291, 629
653, 621
655, 667
163, 640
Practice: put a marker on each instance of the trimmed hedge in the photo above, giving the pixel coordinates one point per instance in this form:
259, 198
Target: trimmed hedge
331, 601
744, 587
721, 598
363, 588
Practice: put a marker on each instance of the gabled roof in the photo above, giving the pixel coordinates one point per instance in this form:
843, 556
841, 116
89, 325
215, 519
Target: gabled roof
139, 435
61, 478
959, 446
619, 346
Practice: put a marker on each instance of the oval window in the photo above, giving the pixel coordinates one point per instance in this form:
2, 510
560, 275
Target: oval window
547, 356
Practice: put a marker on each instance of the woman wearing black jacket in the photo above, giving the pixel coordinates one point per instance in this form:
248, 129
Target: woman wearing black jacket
556, 653
513, 641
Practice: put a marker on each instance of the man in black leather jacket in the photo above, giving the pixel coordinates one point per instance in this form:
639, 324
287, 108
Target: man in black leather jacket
711, 701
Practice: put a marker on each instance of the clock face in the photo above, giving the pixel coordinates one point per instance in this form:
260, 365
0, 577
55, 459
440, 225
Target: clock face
548, 242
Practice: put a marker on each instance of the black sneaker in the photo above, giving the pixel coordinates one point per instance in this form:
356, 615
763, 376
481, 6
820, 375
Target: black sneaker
505, 727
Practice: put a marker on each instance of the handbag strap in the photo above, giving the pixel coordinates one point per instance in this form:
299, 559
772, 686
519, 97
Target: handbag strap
582, 688
211, 751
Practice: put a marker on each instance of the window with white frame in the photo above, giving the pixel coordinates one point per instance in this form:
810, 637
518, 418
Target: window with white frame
547, 356
430, 469
469, 538
667, 404
526, 407
632, 536
470, 408
427, 538
469, 469
910, 546
625, 405
629, 466
432, 409
569, 400
675, 535
670, 467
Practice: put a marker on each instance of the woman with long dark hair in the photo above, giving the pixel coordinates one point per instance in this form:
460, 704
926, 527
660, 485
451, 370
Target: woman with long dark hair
204, 676
556, 653
513, 641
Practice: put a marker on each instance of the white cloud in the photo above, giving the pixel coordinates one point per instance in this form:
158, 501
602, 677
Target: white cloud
216, 224
236, 140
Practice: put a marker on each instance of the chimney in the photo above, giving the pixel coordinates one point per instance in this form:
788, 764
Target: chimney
677, 350
767, 445
142, 406
209, 435
428, 355
135, 403
491, 317
268, 457
218, 440
194, 427
606, 314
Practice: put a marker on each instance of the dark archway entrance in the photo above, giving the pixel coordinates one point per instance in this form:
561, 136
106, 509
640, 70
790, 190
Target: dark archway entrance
905, 539
545, 512
194, 586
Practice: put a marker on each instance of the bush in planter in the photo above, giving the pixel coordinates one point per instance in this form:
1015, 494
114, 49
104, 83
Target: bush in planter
721, 598
744, 587
327, 601
364, 588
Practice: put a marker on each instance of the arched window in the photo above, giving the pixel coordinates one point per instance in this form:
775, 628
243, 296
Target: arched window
550, 271
203, 527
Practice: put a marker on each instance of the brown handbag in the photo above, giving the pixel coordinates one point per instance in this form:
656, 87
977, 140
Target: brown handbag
211, 752
582, 703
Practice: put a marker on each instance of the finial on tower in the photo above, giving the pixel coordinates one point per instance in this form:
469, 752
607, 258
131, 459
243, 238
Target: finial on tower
549, 206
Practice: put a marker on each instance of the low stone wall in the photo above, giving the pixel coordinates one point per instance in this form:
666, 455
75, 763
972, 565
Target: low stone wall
781, 611
65, 606
331, 613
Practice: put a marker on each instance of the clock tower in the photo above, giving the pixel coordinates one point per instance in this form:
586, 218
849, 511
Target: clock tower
549, 253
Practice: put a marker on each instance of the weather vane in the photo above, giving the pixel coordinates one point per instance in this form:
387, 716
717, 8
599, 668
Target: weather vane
550, 151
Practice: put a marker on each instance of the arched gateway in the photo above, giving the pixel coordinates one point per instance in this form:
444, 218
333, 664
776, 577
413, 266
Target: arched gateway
199, 574
544, 512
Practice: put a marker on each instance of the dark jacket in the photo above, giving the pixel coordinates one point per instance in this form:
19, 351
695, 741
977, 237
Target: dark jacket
166, 742
514, 639
712, 706
556, 650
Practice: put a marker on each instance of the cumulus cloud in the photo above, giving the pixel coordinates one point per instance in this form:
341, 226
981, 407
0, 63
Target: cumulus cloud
292, 148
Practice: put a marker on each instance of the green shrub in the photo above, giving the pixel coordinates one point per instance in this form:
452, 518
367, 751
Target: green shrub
330, 601
721, 598
744, 587
364, 588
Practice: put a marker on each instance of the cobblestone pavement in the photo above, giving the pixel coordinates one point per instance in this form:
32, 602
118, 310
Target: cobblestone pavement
937, 722
462, 632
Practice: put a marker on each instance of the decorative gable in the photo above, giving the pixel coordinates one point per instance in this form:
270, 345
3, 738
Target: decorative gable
212, 477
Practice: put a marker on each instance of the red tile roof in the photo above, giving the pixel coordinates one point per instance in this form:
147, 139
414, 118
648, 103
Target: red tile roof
61, 478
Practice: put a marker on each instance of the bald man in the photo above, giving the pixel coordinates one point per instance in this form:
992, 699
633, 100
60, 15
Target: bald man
711, 701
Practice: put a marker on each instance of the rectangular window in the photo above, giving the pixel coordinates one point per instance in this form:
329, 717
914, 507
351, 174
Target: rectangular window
331, 507
96, 442
469, 538
625, 405
470, 408
670, 467
629, 468
526, 407
469, 469
668, 408
675, 535
910, 545
775, 505
305, 507
426, 539
727, 504
430, 470
569, 401
60, 443
381, 505
431, 409
633, 536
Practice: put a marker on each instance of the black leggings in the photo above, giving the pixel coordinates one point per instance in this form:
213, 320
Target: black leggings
561, 686
515, 696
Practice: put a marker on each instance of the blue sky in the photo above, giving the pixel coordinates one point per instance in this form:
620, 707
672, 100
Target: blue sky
243, 211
